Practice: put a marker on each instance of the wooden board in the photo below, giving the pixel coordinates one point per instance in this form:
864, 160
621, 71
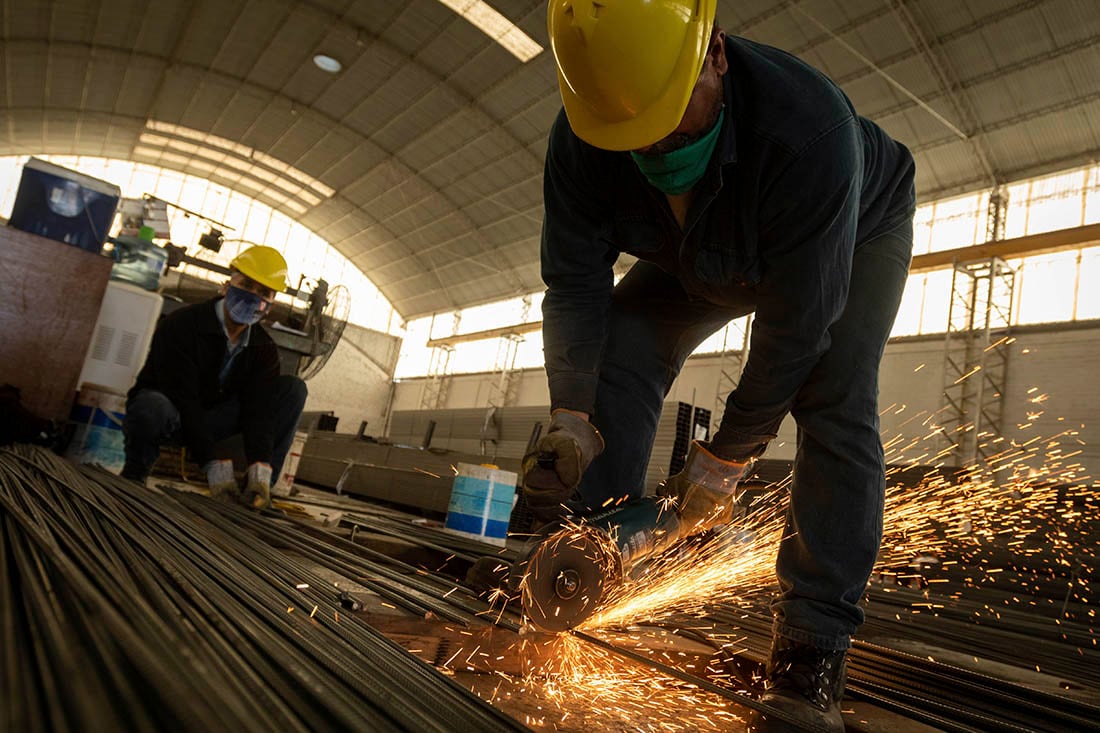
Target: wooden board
50, 294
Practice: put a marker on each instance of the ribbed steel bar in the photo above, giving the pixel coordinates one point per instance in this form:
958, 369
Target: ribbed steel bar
161, 616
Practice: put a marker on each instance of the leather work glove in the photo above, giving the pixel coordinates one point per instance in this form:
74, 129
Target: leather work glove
552, 471
221, 480
704, 492
257, 490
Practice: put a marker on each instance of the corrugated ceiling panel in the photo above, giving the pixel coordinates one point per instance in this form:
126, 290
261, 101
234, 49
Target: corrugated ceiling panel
361, 158
119, 22
418, 114
163, 23
419, 214
300, 137
180, 84
294, 36
417, 25
110, 79
72, 22
941, 17
483, 69
455, 45
1018, 37
136, 93
533, 125
392, 199
205, 108
517, 91
353, 87
466, 152
28, 20
332, 146
1081, 67
341, 229
509, 226
26, 79
240, 113
205, 29
59, 127
245, 41
514, 206
1068, 21
393, 95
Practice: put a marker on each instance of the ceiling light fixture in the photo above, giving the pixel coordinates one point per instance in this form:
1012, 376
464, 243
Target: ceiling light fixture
325, 62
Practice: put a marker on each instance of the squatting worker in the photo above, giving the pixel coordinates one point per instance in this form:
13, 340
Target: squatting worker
212, 372
744, 182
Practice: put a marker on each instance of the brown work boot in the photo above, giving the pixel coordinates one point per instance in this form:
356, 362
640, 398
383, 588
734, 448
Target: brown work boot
804, 682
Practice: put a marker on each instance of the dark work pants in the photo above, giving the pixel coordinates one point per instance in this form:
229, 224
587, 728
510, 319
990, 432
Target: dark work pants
834, 524
152, 420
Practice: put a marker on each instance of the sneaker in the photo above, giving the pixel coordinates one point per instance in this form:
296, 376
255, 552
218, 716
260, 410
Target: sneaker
806, 683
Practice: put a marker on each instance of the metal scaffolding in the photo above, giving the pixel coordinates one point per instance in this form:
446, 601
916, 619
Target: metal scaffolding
502, 381
438, 381
976, 358
731, 361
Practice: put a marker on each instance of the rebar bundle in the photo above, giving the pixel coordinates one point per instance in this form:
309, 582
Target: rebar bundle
127, 609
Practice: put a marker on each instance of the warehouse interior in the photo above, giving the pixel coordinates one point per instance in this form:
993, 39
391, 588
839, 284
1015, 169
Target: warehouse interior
393, 153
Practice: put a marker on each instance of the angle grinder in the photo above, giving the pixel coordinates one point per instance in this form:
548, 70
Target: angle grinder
567, 568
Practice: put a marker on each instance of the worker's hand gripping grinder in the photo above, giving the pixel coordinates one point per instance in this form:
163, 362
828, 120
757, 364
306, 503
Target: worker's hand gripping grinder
568, 567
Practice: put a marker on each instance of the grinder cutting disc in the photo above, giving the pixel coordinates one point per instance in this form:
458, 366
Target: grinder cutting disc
565, 578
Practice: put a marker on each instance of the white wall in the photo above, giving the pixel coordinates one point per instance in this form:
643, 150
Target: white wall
356, 382
1055, 364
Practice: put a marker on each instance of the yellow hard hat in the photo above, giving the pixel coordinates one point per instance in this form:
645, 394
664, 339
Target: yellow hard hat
626, 68
264, 265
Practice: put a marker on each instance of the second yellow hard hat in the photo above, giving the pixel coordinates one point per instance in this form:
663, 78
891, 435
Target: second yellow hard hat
264, 265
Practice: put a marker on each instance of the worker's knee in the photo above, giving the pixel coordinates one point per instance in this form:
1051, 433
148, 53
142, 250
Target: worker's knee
151, 412
290, 391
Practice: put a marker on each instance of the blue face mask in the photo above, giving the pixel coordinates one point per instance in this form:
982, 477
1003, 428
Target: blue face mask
677, 172
244, 307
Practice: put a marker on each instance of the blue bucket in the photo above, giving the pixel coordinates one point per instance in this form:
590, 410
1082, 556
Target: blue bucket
97, 420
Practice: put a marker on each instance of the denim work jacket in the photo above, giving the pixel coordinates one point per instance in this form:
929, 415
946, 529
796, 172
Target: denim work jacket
797, 181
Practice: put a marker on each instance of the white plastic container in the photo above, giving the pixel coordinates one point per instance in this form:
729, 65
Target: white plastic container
285, 482
481, 503
123, 332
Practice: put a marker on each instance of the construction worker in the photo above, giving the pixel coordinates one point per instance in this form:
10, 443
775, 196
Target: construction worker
744, 182
212, 372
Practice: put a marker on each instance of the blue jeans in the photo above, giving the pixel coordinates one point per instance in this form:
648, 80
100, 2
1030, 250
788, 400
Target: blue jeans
152, 420
834, 523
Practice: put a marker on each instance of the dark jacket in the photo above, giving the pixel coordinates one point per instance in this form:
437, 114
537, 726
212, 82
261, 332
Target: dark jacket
184, 361
797, 181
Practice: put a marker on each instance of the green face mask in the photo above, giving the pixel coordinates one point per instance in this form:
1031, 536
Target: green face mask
676, 172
